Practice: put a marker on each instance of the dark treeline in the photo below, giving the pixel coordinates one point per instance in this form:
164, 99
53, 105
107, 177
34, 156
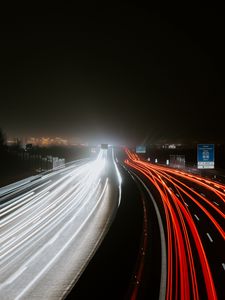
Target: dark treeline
12, 168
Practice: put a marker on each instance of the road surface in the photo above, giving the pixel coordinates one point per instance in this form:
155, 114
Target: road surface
51, 226
192, 212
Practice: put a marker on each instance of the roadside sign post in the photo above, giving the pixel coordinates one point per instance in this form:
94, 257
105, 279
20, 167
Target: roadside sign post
140, 149
206, 156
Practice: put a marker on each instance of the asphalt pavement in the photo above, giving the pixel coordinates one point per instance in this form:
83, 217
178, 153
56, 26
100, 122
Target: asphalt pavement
51, 226
192, 209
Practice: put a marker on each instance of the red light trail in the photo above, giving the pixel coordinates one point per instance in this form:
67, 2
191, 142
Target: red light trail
183, 237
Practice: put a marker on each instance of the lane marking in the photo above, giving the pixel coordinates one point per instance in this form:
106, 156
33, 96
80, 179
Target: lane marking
216, 203
163, 280
211, 240
197, 217
223, 265
202, 194
186, 204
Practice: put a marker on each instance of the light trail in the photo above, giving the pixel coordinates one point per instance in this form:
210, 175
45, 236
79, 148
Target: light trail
63, 211
183, 236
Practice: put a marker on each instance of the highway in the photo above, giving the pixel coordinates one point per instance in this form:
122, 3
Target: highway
52, 224
191, 221
113, 229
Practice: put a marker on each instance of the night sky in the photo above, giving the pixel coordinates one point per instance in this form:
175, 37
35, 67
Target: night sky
120, 73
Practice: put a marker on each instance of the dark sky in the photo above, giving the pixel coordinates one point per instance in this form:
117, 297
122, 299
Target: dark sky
124, 73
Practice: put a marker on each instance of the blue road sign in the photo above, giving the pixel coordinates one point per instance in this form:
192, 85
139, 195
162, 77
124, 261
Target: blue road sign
205, 156
141, 149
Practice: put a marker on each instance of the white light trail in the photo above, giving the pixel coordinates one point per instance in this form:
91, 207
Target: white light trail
41, 224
